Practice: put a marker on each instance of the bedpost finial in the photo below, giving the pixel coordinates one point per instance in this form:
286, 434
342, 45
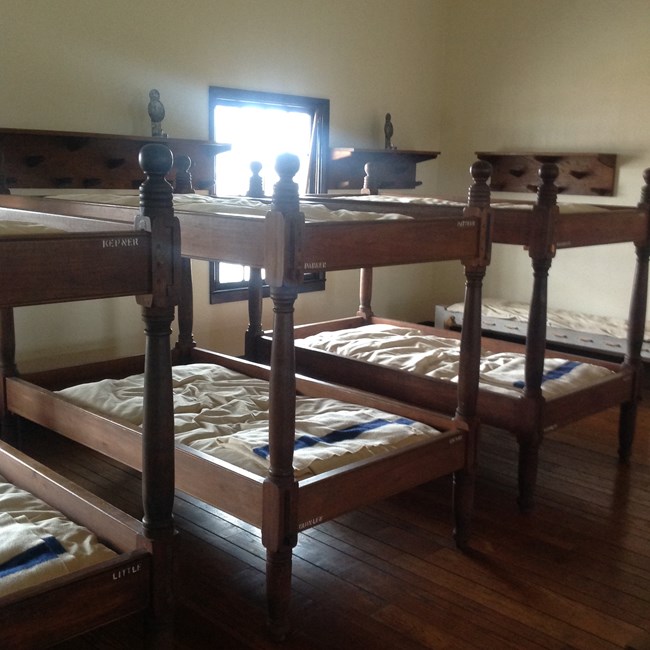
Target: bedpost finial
255, 183
479, 191
156, 159
547, 190
285, 191
183, 180
287, 165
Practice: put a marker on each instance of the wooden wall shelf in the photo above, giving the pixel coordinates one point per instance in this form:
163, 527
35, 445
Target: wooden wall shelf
591, 174
394, 168
28, 157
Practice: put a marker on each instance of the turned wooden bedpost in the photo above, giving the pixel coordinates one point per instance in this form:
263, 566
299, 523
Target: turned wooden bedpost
284, 272
255, 282
8, 368
255, 330
541, 251
371, 180
185, 343
255, 184
157, 216
478, 207
183, 180
365, 294
636, 330
4, 188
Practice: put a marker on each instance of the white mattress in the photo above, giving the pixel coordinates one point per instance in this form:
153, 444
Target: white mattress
225, 414
38, 543
559, 318
565, 208
410, 349
240, 206
9, 228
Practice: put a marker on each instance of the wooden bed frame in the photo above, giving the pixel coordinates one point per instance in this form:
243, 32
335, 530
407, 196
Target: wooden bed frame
542, 229
571, 341
90, 259
279, 504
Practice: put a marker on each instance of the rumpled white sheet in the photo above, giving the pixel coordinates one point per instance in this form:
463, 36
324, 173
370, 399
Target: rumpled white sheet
225, 414
560, 318
24, 521
410, 349
231, 205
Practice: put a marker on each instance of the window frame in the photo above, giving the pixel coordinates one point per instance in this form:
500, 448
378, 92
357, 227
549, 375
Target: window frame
221, 292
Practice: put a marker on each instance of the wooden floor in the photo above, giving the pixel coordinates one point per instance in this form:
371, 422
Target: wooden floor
574, 574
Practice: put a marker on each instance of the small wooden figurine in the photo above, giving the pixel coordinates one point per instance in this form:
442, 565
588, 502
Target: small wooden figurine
388, 132
156, 113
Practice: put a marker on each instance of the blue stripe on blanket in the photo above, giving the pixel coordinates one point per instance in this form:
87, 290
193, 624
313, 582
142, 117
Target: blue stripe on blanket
556, 373
46, 550
348, 433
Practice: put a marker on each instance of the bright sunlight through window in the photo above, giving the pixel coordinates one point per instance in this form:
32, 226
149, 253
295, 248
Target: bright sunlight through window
259, 134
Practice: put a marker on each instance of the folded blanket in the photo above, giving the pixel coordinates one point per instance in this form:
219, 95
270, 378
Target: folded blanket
26, 557
38, 543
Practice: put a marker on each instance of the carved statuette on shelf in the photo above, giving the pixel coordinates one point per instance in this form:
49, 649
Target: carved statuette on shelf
156, 113
388, 132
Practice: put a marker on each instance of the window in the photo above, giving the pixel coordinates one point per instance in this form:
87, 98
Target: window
259, 126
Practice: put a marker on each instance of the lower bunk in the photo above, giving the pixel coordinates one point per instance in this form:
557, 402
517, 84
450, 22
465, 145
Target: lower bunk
349, 448
419, 365
570, 331
69, 562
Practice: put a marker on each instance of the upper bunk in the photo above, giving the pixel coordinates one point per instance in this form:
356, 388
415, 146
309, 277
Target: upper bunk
214, 230
524, 223
49, 255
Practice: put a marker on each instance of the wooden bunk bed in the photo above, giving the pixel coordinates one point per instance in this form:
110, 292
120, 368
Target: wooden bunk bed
542, 228
278, 500
48, 257
566, 330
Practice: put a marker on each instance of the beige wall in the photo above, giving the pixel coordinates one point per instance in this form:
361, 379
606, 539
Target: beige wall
557, 75
457, 75
88, 65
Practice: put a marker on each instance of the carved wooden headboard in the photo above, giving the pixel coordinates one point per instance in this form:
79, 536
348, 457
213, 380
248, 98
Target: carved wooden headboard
59, 159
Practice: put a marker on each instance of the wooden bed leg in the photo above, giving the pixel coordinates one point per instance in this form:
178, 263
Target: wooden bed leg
284, 270
157, 216
255, 330
365, 294
186, 342
626, 429
278, 592
469, 366
527, 474
7, 369
636, 334
464, 483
